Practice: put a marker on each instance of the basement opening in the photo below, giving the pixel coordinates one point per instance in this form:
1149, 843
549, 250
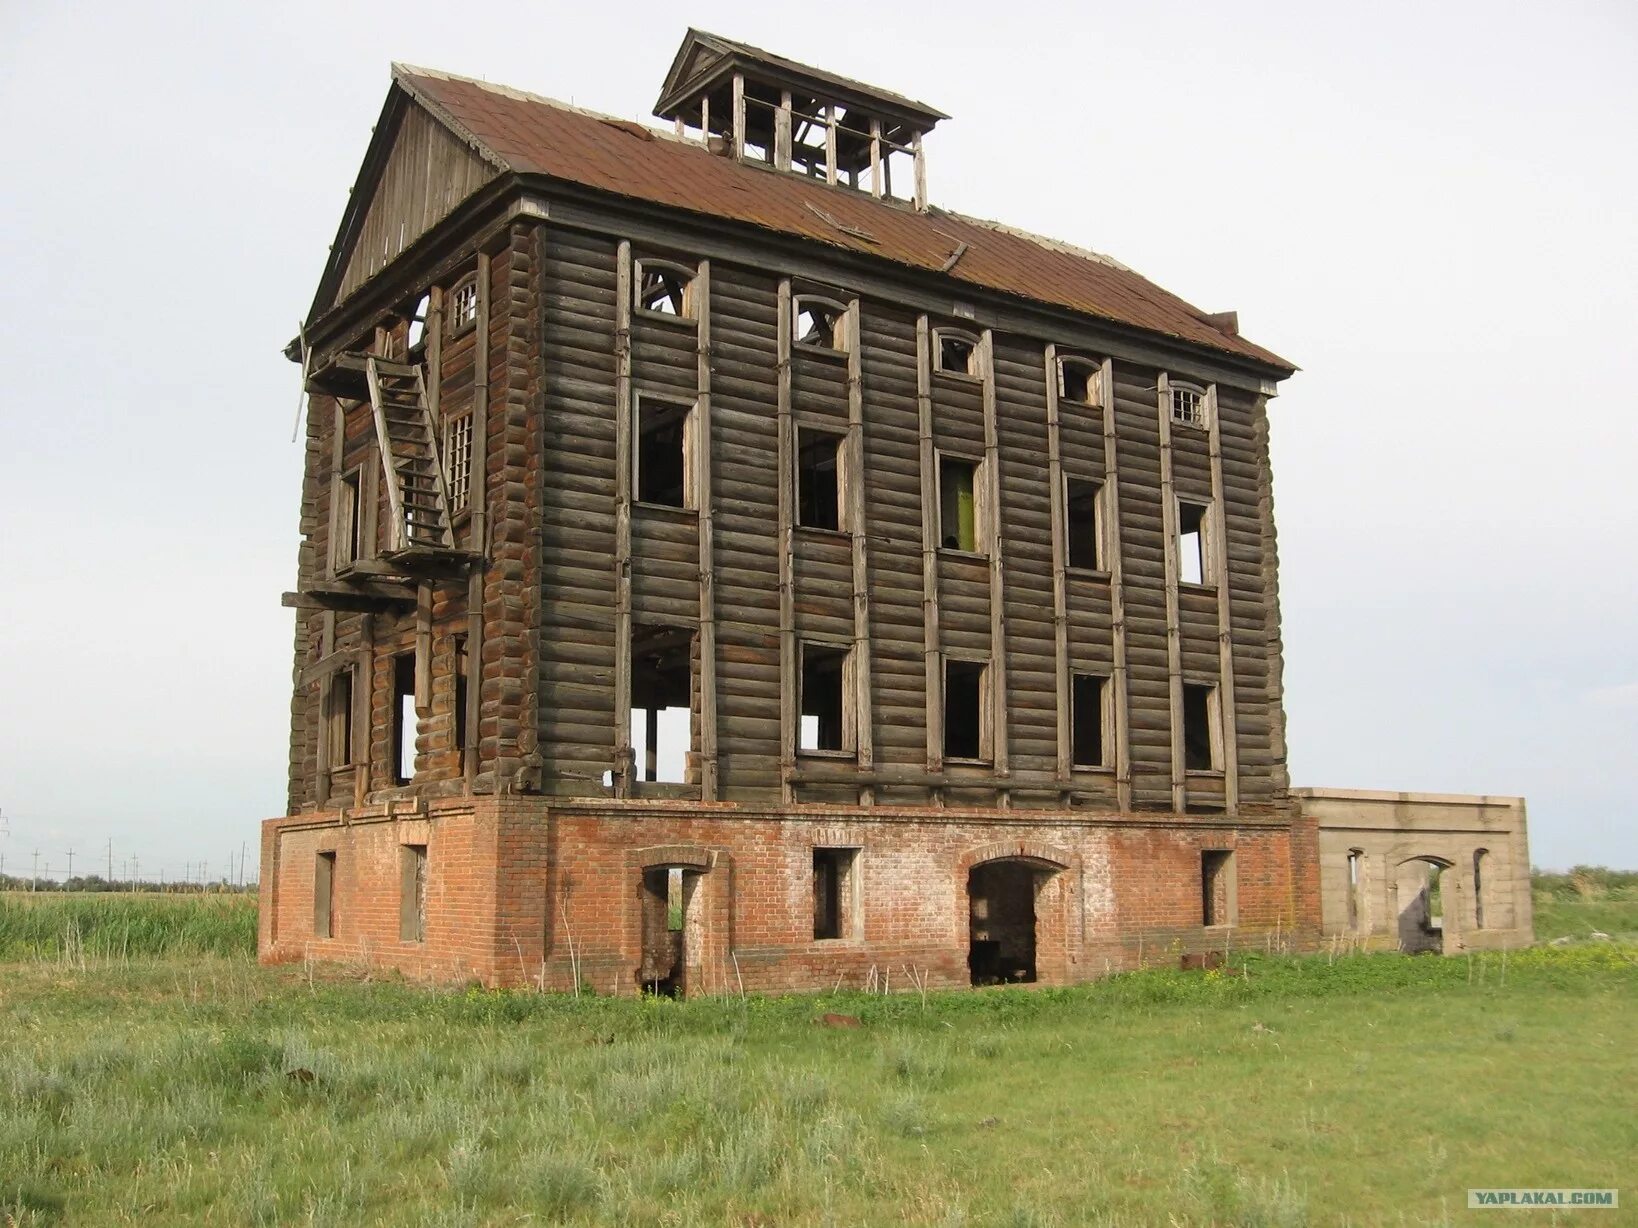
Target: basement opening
1001, 922
412, 892
404, 718
662, 692
965, 729
666, 891
1084, 541
818, 479
1217, 887
324, 894
825, 723
834, 894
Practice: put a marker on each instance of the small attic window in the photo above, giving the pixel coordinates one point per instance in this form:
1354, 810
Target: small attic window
1188, 405
463, 305
819, 323
955, 352
1080, 380
665, 289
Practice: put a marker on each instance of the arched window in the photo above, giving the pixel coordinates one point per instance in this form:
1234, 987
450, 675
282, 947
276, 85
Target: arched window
1188, 405
956, 352
664, 288
1479, 856
819, 322
1080, 380
463, 305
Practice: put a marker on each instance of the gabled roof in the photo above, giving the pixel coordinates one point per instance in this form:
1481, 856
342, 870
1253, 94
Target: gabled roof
534, 136
704, 56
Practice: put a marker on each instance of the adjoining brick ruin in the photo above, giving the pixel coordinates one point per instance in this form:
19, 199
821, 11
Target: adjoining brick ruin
721, 569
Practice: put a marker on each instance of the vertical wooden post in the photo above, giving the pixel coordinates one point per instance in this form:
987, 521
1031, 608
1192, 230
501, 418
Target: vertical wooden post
708, 574
477, 527
921, 172
789, 664
623, 472
830, 143
1174, 638
327, 645
994, 546
864, 724
1114, 545
932, 653
876, 157
364, 710
1060, 583
1218, 529
705, 121
739, 115
782, 132
423, 651
432, 338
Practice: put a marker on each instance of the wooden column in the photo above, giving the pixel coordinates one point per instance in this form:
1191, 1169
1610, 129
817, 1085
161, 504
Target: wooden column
623, 472
321, 690
876, 157
708, 574
782, 133
739, 115
864, 724
1174, 641
921, 172
363, 718
1114, 545
1060, 583
790, 718
830, 143
477, 526
1227, 715
932, 653
994, 546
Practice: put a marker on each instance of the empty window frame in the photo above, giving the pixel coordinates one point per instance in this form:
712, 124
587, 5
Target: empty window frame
458, 460
960, 503
826, 707
820, 323
664, 455
1202, 741
404, 718
1080, 381
463, 305
339, 718
664, 289
1188, 405
415, 329
346, 531
819, 478
1089, 720
1217, 887
412, 892
460, 664
966, 710
324, 894
956, 353
1194, 544
1478, 887
810, 129
835, 893
1356, 865
1083, 524
662, 703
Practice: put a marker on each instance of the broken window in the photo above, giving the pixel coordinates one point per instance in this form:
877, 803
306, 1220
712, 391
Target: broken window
416, 330
810, 126
954, 352
664, 453
460, 663
1080, 380
346, 536
339, 718
818, 479
324, 894
826, 714
662, 686
834, 893
1088, 703
665, 289
404, 718
819, 323
1083, 517
960, 503
1478, 888
412, 892
1356, 858
966, 727
761, 109
1193, 544
1188, 405
463, 305
1200, 750
1217, 887
458, 460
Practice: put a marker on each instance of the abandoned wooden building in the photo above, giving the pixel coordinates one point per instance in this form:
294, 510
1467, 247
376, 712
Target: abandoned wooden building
722, 567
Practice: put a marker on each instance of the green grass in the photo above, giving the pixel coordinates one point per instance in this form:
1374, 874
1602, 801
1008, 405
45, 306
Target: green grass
73, 926
1375, 1089
1584, 900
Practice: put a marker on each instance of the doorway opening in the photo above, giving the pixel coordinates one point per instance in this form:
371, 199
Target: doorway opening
1421, 905
1001, 922
665, 894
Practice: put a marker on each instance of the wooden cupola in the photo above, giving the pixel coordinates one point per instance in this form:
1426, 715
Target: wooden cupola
763, 108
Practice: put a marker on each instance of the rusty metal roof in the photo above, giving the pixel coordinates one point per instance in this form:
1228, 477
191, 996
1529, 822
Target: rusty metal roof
538, 136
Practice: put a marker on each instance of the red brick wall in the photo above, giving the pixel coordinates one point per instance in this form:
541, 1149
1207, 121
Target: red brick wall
524, 891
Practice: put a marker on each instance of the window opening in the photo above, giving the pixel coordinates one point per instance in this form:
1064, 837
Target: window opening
404, 718
818, 479
412, 893
1001, 922
461, 664
1193, 565
964, 725
1478, 888
833, 893
664, 289
819, 324
825, 711
662, 684
958, 503
956, 352
809, 124
1188, 405
1199, 743
1217, 887
324, 894
458, 460
463, 305
415, 331
1082, 506
1080, 380
1355, 858
347, 547
341, 718
1088, 694
665, 439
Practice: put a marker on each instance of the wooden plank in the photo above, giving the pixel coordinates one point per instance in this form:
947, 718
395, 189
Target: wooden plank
995, 546
932, 650
1060, 553
864, 727
1174, 647
790, 716
1228, 716
1115, 546
477, 527
705, 498
364, 711
623, 472
423, 648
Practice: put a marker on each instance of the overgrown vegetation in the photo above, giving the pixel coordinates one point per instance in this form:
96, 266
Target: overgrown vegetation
73, 928
1584, 901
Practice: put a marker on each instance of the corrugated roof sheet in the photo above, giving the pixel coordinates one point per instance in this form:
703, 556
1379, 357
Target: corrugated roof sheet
535, 135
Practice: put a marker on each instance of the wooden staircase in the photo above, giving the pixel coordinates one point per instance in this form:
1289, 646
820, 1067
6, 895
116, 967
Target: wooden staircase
417, 493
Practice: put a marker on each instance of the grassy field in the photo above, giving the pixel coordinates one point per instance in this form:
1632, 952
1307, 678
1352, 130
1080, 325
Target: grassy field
1584, 900
1287, 1091
75, 926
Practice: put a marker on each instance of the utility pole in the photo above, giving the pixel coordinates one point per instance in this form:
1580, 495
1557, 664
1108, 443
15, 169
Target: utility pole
70, 865
34, 883
110, 859
136, 871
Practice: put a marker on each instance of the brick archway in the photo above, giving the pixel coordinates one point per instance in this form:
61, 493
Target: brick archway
1016, 897
692, 856
1045, 856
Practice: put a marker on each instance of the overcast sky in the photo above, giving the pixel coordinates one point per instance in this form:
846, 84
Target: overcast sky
1428, 207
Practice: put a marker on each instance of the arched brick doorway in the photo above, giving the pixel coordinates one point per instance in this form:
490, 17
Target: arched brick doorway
1011, 892
670, 918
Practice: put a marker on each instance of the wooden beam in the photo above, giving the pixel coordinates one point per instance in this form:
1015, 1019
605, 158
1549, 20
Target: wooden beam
1114, 545
423, 648
708, 572
1218, 528
920, 200
782, 132
1060, 584
790, 717
623, 473
864, 724
1174, 638
830, 143
739, 115
477, 527
995, 547
932, 651
364, 711
875, 157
